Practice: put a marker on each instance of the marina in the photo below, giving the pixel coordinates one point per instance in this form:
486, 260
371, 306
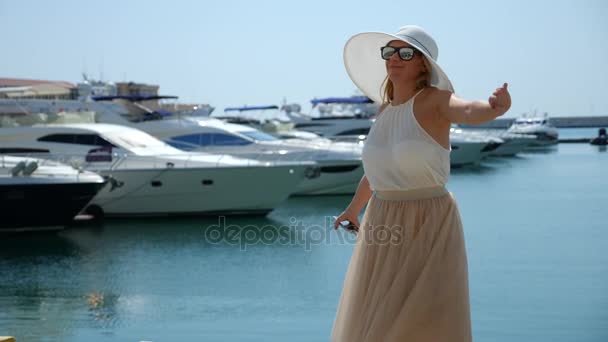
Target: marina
159, 163
219, 226
535, 232
188, 171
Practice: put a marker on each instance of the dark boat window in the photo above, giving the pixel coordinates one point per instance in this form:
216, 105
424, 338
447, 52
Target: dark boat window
305, 124
60, 138
182, 145
85, 139
339, 169
81, 139
99, 141
17, 150
193, 139
357, 131
205, 139
231, 140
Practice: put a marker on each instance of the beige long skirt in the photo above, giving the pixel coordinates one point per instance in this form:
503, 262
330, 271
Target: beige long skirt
407, 279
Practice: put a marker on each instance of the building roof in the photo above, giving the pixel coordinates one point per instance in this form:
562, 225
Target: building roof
44, 89
23, 82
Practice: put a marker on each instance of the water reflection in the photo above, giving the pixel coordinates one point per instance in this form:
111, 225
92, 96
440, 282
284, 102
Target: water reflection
541, 150
39, 285
479, 169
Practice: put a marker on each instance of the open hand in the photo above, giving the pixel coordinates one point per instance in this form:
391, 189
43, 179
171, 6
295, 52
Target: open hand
500, 101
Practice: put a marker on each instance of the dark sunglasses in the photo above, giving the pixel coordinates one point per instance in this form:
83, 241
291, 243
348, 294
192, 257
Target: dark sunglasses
405, 53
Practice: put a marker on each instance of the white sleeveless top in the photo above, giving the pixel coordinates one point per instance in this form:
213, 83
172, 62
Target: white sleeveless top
400, 155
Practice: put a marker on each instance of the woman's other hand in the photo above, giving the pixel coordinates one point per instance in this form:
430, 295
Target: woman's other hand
500, 100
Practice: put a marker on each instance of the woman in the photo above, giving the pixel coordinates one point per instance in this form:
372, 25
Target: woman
407, 279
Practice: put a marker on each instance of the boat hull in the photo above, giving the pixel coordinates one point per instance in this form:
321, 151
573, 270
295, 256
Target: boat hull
197, 191
466, 153
40, 207
334, 178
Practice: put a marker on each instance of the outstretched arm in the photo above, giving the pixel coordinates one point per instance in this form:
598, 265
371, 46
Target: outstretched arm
456, 110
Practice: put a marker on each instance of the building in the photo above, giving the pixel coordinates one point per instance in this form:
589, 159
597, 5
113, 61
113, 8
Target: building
132, 88
139, 89
17, 88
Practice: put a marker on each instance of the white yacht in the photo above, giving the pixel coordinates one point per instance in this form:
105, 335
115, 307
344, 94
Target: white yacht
266, 118
148, 177
350, 119
539, 126
129, 112
467, 150
283, 122
338, 172
513, 143
500, 143
339, 164
39, 195
343, 118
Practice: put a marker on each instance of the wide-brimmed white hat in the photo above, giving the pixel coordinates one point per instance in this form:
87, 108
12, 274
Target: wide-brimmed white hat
368, 70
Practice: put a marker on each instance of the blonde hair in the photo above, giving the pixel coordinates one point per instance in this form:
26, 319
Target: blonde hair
423, 81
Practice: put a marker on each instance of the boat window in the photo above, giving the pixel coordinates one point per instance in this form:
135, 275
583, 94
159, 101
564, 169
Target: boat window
92, 139
60, 138
99, 141
81, 139
182, 145
260, 136
193, 139
357, 131
205, 139
17, 150
84, 139
198, 139
226, 139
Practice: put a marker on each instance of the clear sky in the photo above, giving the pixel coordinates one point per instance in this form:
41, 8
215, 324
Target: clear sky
554, 54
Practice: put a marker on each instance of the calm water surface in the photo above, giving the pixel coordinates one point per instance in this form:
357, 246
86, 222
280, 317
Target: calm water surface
537, 238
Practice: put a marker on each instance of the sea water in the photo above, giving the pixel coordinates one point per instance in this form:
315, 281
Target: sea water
536, 229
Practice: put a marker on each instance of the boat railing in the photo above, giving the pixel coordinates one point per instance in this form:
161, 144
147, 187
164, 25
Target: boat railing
117, 161
48, 166
303, 156
195, 160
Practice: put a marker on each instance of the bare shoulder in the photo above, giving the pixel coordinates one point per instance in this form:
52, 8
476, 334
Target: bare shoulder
435, 101
429, 104
428, 99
